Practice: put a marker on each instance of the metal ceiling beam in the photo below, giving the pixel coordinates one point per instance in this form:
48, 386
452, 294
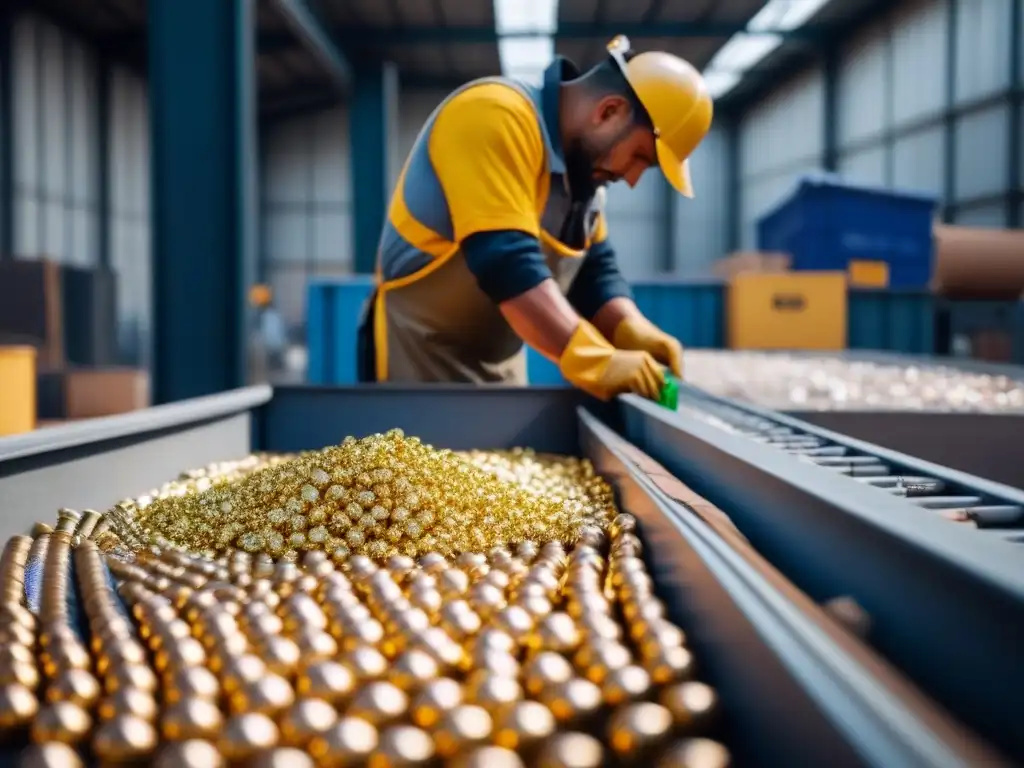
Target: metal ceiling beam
317, 38
453, 35
300, 99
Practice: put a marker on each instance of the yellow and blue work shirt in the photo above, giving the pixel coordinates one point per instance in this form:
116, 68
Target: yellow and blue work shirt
484, 210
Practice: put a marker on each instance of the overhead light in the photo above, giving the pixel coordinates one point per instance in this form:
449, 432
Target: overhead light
743, 51
526, 58
516, 17
720, 83
784, 15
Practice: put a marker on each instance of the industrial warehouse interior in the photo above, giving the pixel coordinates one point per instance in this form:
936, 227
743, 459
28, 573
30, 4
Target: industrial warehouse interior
511, 383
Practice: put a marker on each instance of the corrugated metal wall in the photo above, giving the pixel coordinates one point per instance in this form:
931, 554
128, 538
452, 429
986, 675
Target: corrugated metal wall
130, 243
307, 207
779, 139
307, 198
905, 110
638, 224
56, 82
700, 232
56, 170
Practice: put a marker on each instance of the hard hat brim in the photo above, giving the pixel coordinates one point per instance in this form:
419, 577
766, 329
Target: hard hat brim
676, 171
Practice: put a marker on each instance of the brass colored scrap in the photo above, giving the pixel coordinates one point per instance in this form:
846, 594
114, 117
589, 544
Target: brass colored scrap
378, 603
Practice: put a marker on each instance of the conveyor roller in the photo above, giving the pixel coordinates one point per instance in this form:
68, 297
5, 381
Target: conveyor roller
994, 515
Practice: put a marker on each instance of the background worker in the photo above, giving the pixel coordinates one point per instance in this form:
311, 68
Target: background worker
496, 234
269, 339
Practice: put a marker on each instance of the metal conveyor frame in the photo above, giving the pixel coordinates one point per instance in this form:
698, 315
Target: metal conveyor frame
919, 577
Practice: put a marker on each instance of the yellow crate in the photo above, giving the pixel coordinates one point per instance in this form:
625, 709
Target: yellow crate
796, 310
17, 390
868, 274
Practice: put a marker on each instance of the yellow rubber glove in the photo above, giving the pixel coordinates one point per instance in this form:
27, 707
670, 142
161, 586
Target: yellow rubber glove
595, 366
638, 333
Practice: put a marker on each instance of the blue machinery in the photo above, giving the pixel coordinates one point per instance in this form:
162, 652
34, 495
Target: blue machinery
791, 515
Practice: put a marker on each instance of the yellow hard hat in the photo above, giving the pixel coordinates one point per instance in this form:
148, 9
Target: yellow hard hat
676, 99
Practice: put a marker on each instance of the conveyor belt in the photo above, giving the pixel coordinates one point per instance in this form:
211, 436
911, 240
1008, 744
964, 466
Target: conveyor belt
835, 535
993, 514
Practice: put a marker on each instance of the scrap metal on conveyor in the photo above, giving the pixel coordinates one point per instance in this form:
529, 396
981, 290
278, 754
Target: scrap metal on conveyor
945, 602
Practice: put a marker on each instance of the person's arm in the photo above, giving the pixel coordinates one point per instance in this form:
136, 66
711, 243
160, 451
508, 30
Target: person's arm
600, 294
488, 153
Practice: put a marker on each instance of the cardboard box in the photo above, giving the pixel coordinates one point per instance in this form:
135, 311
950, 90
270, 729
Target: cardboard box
17, 390
751, 261
31, 308
105, 392
794, 310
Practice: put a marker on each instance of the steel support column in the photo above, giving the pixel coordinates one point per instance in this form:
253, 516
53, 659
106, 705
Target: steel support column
890, 105
372, 123
1015, 197
6, 137
202, 123
949, 149
104, 75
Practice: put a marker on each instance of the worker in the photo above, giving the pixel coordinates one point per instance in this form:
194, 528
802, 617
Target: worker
269, 341
496, 233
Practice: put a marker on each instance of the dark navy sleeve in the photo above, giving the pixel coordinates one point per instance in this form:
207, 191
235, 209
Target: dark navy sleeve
506, 263
598, 281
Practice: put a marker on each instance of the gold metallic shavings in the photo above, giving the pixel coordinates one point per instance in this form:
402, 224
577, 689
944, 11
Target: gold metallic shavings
379, 496
548, 649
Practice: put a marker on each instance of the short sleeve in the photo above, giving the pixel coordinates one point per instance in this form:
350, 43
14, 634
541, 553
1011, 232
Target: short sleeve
600, 229
487, 151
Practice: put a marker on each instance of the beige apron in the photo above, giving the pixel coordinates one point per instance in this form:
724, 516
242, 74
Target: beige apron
438, 326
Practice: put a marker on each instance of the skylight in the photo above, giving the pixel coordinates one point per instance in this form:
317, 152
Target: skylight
720, 83
533, 24
745, 50
784, 15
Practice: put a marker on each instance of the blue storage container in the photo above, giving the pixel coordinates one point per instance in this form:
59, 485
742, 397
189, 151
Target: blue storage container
826, 222
333, 308
891, 321
690, 310
541, 372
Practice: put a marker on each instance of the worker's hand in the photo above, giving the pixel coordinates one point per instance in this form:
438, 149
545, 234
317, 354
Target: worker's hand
595, 366
638, 333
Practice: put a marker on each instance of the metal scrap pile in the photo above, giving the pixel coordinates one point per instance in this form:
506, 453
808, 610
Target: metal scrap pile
480, 609
812, 382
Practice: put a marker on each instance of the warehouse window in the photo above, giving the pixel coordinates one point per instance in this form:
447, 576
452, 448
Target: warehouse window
130, 246
307, 209
525, 43
56, 165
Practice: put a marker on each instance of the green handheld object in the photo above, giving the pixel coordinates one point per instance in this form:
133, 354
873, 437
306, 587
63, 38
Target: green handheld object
669, 397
